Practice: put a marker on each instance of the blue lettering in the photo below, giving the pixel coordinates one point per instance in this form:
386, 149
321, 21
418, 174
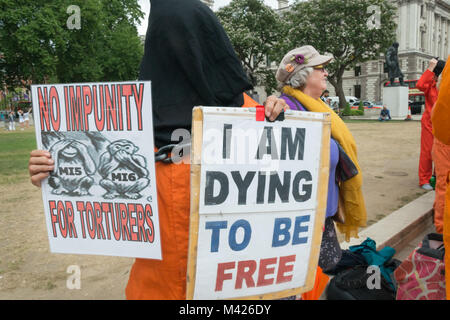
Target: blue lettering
281, 230
298, 228
232, 235
215, 226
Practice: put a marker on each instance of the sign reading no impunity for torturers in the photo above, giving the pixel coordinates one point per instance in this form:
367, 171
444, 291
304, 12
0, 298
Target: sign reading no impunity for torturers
101, 196
258, 201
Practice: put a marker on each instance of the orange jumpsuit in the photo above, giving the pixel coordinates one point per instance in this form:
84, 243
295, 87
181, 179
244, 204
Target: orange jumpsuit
441, 159
427, 84
441, 131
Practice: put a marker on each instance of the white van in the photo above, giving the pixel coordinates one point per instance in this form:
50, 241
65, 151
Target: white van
350, 99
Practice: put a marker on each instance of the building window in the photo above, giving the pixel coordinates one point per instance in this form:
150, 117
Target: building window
357, 91
357, 71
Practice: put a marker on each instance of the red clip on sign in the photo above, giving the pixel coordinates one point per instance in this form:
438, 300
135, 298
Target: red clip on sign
260, 115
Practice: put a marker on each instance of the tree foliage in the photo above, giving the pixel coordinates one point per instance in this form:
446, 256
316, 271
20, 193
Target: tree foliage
37, 45
344, 29
255, 31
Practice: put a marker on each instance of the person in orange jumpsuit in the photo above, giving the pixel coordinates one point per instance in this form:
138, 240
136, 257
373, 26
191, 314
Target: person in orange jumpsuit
441, 160
191, 62
441, 132
427, 84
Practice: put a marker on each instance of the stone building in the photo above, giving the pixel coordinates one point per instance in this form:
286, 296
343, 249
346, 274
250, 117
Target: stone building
423, 32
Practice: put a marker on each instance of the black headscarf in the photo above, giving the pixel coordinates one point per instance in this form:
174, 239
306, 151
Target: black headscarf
190, 61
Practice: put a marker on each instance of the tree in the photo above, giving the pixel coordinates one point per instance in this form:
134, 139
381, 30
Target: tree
352, 31
38, 44
255, 31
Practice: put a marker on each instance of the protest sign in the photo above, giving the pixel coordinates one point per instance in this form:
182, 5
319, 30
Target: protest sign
258, 201
101, 196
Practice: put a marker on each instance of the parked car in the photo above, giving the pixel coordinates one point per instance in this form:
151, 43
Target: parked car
366, 104
350, 99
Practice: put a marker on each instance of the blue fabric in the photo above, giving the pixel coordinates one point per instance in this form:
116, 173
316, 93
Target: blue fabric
333, 188
368, 249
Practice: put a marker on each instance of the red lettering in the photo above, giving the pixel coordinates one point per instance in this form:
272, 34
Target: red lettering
124, 218
111, 111
131, 209
116, 222
119, 107
221, 275
283, 268
126, 91
61, 217
44, 109
90, 220
99, 120
70, 223
140, 222
76, 108
87, 101
248, 269
245, 271
53, 217
55, 120
148, 215
264, 270
138, 98
99, 221
106, 210
80, 208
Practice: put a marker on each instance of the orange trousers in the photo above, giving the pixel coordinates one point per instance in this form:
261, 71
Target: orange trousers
426, 144
441, 159
319, 286
447, 238
166, 279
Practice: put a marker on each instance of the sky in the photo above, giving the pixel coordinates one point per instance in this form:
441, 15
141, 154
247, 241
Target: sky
145, 6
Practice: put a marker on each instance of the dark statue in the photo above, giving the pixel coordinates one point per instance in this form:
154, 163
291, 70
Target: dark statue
392, 64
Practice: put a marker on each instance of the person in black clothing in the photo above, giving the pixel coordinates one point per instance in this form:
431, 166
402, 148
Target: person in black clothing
190, 61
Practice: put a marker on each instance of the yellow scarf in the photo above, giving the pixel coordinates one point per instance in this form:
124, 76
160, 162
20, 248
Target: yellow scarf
350, 190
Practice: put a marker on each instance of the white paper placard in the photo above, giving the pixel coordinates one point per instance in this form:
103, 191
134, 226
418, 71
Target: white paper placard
101, 197
261, 203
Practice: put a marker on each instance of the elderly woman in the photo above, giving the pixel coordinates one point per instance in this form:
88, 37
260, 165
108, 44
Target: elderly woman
302, 78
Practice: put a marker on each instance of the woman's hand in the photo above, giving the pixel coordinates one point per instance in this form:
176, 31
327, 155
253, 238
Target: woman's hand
40, 166
273, 107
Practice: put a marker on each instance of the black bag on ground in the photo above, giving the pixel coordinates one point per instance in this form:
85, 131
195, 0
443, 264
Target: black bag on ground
354, 284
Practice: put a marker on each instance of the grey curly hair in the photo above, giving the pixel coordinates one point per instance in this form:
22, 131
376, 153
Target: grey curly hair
298, 79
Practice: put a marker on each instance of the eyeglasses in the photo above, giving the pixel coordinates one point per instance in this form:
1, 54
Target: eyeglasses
319, 67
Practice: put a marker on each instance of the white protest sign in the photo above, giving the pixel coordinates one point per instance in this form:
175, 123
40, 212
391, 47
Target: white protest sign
101, 196
258, 204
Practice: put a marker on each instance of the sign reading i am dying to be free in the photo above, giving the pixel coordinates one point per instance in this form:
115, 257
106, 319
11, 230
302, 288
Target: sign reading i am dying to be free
258, 201
101, 196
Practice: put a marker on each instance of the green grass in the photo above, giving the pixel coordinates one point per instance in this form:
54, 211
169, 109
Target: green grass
15, 151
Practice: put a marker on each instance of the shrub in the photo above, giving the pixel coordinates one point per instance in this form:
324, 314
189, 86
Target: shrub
347, 110
361, 107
